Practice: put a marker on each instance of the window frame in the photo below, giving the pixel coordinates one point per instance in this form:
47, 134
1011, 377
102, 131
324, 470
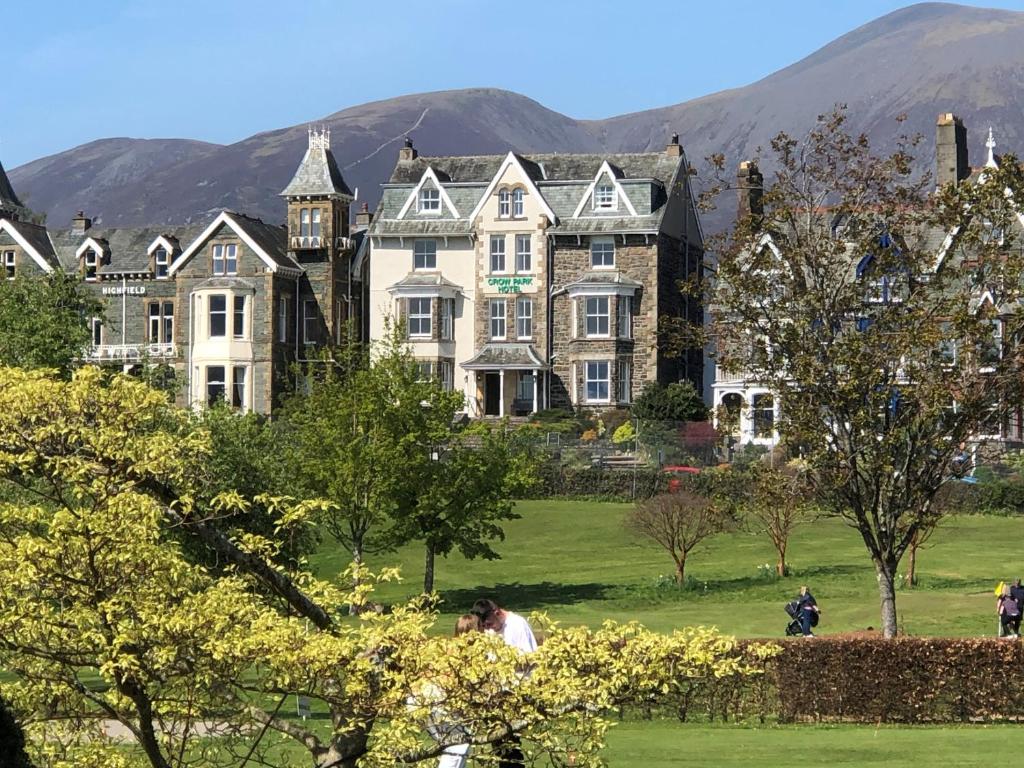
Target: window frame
598, 316
597, 381
221, 314
10, 259
91, 264
304, 222
496, 319
238, 395
524, 301
757, 419
419, 317
526, 252
431, 195
426, 254
447, 375
492, 252
238, 316
504, 204
447, 319
307, 317
605, 202
624, 317
314, 222
96, 331
603, 243
161, 321
211, 398
161, 263
624, 382
518, 203
282, 319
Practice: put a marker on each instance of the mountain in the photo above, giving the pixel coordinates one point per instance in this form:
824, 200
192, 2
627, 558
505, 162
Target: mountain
918, 61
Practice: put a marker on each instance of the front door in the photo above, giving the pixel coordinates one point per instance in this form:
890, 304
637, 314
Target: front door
492, 394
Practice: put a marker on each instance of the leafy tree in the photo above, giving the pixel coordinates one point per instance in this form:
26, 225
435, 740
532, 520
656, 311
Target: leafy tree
845, 298
677, 522
777, 501
382, 445
197, 665
44, 321
674, 402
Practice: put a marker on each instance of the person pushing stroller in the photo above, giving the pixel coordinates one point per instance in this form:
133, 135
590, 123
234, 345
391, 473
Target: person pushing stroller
805, 613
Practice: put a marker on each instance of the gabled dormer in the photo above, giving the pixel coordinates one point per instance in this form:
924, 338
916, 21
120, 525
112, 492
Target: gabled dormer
605, 195
162, 252
429, 199
92, 255
318, 199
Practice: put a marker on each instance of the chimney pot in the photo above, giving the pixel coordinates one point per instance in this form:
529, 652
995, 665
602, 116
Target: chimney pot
407, 152
80, 224
363, 219
674, 149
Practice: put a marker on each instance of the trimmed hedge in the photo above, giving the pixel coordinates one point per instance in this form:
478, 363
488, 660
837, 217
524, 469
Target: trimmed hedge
906, 680
554, 481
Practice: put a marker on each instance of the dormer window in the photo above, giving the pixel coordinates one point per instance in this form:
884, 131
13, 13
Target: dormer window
225, 259
10, 264
518, 196
90, 263
605, 198
504, 204
430, 200
161, 263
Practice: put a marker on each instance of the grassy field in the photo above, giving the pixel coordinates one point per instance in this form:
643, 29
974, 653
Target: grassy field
576, 561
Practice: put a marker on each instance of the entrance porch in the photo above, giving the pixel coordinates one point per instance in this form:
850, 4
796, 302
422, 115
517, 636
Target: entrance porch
507, 380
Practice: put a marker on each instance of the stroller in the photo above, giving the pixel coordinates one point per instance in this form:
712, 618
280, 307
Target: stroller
792, 609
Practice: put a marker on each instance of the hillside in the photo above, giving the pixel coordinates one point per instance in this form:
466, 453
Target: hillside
919, 61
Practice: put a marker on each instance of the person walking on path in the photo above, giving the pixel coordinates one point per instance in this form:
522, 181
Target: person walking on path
516, 632
807, 611
1009, 614
1017, 593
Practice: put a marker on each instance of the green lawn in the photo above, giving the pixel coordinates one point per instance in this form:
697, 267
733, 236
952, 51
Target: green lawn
575, 561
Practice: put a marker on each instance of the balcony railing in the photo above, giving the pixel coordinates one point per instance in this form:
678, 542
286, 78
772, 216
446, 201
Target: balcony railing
308, 241
130, 352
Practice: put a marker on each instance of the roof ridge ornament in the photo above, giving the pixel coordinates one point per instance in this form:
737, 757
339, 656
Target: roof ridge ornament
990, 143
319, 138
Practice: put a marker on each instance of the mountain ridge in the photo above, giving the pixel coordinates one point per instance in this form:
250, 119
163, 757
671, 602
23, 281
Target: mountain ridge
919, 61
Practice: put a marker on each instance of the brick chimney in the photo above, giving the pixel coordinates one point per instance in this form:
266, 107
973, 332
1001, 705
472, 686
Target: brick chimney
407, 153
364, 218
673, 149
951, 165
750, 188
80, 223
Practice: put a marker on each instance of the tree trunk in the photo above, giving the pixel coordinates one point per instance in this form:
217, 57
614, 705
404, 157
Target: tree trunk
887, 593
780, 567
428, 569
680, 572
912, 563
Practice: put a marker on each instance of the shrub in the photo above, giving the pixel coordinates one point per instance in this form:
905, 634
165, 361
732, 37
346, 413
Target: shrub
624, 434
906, 680
12, 741
675, 402
567, 482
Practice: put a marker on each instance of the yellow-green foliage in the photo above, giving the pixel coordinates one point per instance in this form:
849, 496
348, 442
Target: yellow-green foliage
103, 618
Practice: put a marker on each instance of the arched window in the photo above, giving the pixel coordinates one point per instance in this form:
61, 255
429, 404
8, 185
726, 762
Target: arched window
518, 196
504, 204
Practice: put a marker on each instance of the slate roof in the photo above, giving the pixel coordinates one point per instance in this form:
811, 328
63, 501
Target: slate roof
605, 277
272, 238
39, 239
317, 176
126, 246
544, 167
426, 279
514, 356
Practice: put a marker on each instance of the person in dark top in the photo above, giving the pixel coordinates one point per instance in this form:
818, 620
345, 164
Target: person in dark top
1009, 614
808, 611
1017, 593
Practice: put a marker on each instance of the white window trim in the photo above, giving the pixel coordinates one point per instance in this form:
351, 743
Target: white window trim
602, 241
607, 315
521, 203
510, 161
11, 263
420, 315
528, 302
420, 197
605, 171
490, 255
491, 318
210, 313
624, 383
416, 242
625, 318
528, 252
505, 199
245, 316
413, 198
587, 380
613, 206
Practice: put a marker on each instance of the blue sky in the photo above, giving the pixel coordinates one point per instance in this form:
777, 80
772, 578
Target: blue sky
221, 70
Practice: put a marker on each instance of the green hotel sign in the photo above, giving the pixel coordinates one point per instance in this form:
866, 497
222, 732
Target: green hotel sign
509, 284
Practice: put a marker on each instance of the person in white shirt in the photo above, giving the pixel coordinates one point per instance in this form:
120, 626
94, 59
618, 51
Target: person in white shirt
516, 632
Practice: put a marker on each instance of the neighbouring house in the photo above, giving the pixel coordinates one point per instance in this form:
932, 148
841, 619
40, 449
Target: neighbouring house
537, 281
749, 411
230, 305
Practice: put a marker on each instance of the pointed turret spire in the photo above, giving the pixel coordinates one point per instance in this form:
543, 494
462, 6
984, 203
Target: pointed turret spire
10, 205
318, 174
990, 143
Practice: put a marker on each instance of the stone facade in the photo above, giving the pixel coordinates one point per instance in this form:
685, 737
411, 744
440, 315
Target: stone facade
230, 306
